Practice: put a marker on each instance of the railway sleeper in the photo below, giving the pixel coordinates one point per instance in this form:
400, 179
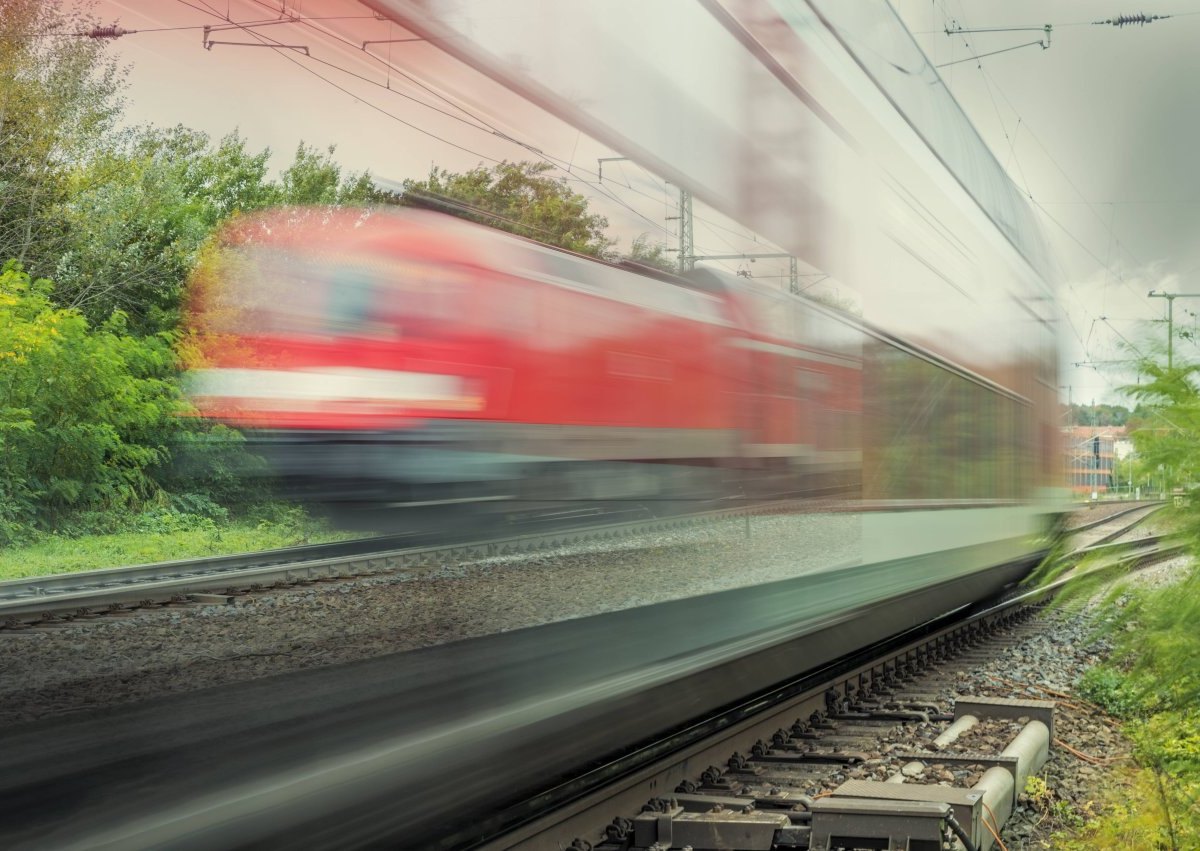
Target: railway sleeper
746, 807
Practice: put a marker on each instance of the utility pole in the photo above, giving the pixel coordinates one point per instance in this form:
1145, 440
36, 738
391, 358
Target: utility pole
1170, 297
687, 259
687, 247
687, 242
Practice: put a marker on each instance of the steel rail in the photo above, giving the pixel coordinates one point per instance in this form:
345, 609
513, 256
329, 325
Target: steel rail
51, 597
87, 593
109, 576
1094, 523
589, 798
1128, 528
367, 700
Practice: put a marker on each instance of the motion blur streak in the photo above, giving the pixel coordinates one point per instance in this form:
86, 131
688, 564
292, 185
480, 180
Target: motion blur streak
407, 368
406, 358
825, 129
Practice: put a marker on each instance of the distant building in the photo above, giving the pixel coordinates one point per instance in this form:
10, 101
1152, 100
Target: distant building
1092, 453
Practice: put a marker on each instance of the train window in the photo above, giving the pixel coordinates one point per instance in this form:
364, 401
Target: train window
811, 383
938, 434
349, 303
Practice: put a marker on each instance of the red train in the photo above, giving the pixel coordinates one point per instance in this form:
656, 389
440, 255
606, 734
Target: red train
412, 360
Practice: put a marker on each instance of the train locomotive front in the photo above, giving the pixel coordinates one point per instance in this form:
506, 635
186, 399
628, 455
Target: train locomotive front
401, 367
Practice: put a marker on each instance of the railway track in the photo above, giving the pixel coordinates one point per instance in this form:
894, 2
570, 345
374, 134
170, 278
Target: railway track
119, 591
568, 694
800, 767
63, 598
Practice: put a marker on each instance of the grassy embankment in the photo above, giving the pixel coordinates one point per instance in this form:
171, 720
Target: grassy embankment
1151, 685
164, 542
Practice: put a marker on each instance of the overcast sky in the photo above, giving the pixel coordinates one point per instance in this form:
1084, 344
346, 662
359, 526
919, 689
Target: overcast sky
1102, 130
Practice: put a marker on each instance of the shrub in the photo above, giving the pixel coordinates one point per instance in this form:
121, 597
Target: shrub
85, 412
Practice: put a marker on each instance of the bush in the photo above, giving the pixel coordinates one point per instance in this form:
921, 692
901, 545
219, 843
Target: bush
1112, 691
85, 413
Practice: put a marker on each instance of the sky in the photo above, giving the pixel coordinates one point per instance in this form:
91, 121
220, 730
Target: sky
1100, 131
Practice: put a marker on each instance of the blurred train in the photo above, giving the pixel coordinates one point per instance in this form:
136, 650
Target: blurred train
403, 368
414, 362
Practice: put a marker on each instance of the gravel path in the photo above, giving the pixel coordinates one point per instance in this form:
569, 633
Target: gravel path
90, 664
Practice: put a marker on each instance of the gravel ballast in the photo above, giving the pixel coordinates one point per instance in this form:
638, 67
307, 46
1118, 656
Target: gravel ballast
1047, 665
87, 664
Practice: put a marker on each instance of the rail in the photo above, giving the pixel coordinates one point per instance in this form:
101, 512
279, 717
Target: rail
90, 593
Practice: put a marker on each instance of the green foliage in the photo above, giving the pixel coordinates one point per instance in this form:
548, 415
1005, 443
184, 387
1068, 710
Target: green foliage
1153, 676
1037, 789
163, 537
143, 207
1112, 691
85, 413
314, 178
1157, 643
1155, 805
59, 99
1097, 415
651, 254
209, 462
1166, 432
519, 198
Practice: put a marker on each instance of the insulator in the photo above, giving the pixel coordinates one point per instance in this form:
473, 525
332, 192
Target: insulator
1141, 18
112, 31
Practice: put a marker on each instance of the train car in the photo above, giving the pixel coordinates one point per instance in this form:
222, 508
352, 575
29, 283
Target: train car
405, 366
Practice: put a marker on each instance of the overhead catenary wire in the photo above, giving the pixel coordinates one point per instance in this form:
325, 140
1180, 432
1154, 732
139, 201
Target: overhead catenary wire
1084, 344
573, 173
989, 82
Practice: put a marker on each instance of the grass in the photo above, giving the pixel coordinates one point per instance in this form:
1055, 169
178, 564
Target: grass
1152, 683
56, 554
1152, 803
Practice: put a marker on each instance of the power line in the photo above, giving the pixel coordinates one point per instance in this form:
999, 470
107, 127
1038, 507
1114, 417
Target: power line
482, 126
279, 49
989, 81
1090, 204
291, 58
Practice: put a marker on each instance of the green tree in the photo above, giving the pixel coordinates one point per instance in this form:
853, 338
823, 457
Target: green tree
59, 99
1167, 417
142, 208
315, 178
85, 412
139, 213
653, 254
517, 197
1097, 415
